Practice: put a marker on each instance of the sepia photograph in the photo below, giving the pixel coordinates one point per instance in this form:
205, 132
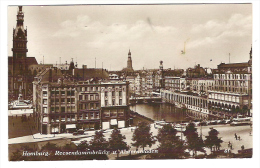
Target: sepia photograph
130, 82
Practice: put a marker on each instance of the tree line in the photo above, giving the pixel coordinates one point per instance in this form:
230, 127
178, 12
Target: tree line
170, 145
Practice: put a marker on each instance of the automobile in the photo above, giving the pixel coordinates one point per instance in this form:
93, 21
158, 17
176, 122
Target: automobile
196, 123
78, 132
180, 127
221, 122
160, 123
106, 130
213, 122
203, 123
157, 126
227, 121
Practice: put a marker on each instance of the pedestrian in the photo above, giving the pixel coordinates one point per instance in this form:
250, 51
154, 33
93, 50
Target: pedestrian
242, 147
236, 136
230, 146
239, 138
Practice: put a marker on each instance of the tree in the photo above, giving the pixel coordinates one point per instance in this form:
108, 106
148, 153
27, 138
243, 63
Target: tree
98, 142
194, 142
212, 140
50, 147
171, 147
116, 141
142, 136
83, 146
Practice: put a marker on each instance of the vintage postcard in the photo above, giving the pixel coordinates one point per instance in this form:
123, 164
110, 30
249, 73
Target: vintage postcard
130, 82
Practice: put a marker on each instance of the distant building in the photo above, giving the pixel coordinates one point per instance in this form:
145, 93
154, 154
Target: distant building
114, 77
196, 72
129, 69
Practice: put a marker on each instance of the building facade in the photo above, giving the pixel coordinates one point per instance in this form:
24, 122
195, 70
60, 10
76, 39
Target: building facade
63, 103
232, 91
114, 105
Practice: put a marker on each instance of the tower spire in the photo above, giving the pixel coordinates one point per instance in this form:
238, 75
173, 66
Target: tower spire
129, 61
129, 53
250, 53
20, 36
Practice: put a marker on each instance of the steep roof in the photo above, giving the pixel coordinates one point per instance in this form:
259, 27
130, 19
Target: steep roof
91, 73
31, 61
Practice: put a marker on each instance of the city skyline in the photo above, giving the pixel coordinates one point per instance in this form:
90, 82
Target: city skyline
86, 35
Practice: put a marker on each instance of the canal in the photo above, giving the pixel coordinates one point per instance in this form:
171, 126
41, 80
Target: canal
163, 111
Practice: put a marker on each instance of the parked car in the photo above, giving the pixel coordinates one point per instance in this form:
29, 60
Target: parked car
203, 123
180, 127
78, 132
221, 122
213, 122
228, 121
160, 123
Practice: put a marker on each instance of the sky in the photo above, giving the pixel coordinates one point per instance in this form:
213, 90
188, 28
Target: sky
151, 32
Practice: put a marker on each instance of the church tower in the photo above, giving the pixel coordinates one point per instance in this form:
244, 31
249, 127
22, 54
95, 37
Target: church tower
19, 36
129, 61
20, 61
250, 57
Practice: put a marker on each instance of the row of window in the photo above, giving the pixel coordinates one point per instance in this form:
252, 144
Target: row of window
63, 93
113, 93
224, 97
113, 113
89, 89
233, 83
60, 101
231, 76
231, 89
113, 102
89, 97
89, 106
70, 109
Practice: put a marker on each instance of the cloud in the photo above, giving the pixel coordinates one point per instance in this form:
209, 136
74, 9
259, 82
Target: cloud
215, 31
73, 28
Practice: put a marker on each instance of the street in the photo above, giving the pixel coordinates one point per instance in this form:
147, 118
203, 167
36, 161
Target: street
226, 132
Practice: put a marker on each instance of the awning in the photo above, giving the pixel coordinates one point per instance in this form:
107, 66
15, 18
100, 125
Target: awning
113, 122
68, 126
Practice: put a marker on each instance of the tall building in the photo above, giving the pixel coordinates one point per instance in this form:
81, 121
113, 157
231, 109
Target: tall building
129, 61
129, 69
19, 77
232, 91
81, 100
